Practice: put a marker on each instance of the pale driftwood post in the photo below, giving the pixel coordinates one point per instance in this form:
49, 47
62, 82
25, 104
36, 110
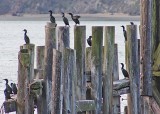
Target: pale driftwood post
134, 69
146, 34
56, 82
63, 37
96, 67
116, 99
69, 81
109, 39
50, 43
40, 70
79, 46
29, 104
23, 65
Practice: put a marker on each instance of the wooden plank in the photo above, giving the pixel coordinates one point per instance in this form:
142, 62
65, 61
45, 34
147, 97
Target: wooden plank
85, 105
23, 64
50, 43
80, 46
56, 82
69, 81
134, 70
109, 39
146, 34
121, 91
96, 67
63, 37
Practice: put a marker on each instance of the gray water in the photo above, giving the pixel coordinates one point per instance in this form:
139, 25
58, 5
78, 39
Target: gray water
11, 38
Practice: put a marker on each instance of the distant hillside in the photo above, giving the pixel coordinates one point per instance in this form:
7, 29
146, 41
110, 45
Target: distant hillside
75, 6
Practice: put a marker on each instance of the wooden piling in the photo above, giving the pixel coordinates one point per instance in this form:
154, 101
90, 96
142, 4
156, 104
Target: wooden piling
23, 64
69, 81
109, 38
79, 46
50, 43
96, 67
63, 37
40, 57
134, 69
56, 82
116, 99
146, 34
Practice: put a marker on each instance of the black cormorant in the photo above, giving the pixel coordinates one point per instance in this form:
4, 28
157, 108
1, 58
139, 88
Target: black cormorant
131, 23
26, 38
8, 88
125, 73
7, 94
89, 41
124, 33
52, 19
14, 88
75, 18
65, 20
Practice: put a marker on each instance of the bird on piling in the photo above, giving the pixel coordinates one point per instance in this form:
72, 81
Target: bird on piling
89, 41
75, 18
7, 94
125, 73
131, 23
14, 88
8, 88
52, 19
65, 20
26, 38
124, 33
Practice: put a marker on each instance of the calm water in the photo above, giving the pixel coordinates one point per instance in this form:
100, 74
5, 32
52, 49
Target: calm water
11, 37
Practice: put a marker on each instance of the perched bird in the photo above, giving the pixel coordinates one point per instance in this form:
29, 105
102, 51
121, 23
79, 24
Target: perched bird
52, 19
8, 88
125, 73
75, 18
65, 20
7, 94
26, 38
124, 33
131, 23
14, 88
89, 41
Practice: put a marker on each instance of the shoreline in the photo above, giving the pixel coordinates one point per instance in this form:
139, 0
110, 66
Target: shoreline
84, 17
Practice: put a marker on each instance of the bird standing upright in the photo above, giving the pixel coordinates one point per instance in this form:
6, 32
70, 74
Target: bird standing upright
8, 88
65, 20
52, 19
125, 73
89, 41
7, 94
124, 33
26, 38
14, 88
75, 18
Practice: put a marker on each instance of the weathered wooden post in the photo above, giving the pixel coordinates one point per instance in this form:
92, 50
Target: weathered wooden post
50, 43
23, 57
56, 82
96, 67
79, 46
134, 69
109, 38
116, 99
63, 37
40, 58
69, 81
29, 98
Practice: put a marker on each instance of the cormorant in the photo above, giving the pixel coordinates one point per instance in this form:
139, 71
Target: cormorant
124, 33
65, 20
125, 73
7, 94
26, 38
132, 23
14, 88
89, 41
52, 19
8, 88
75, 18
